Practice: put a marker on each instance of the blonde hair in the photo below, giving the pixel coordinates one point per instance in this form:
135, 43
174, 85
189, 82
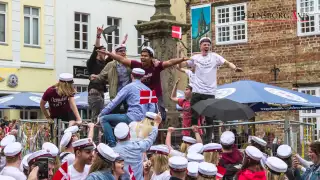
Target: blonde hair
12, 159
271, 176
203, 178
99, 164
184, 147
65, 89
57, 164
143, 128
159, 163
211, 157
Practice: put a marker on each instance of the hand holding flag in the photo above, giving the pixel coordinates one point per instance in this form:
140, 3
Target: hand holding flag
62, 173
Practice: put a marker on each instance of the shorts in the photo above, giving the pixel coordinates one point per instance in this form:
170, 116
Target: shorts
69, 116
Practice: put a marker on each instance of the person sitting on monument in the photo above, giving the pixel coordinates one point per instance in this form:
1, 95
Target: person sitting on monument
136, 111
152, 69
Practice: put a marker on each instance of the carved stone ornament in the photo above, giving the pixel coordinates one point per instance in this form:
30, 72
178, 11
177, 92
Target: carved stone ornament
13, 80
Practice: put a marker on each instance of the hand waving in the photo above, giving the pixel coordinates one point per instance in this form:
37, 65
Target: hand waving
99, 30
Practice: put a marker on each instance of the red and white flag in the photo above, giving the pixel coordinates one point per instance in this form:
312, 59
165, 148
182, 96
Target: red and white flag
131, 173
147, 97
176, 32
62, 173
221, 172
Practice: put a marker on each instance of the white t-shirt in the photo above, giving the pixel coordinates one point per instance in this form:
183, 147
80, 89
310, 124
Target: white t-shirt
163, 176
70, 158
75, 175
205, 79
13, 172
190, 76
2, 162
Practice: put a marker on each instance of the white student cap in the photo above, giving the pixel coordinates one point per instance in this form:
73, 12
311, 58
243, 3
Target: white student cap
138, 72
121, 131
66, 77
12, 149
38, 155
212, 147
149, 49
176, 153
195, 157
196, 148
227, 138
254, 153
205, 39
284, 151
193, 169
178, 163
24, 162
207, 170
120, 47
86, 143
106, 153
259, 141
72, 129
65, 140
7, 140
2, 177
151, 115
160, 149
276, 164
53, 149
189, 140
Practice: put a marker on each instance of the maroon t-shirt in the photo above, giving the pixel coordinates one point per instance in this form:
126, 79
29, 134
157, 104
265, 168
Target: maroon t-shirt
58, 105
152, 76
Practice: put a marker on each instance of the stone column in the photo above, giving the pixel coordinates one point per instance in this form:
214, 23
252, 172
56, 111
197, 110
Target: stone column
158, 31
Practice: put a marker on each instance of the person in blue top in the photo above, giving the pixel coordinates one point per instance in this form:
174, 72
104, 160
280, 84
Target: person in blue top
132, 151
136, 111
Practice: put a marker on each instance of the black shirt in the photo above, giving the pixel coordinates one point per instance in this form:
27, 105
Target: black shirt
174, 178
95, 66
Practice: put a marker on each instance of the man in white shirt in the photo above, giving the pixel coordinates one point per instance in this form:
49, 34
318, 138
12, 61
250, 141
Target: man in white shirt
83, 150
205, 79
14, 158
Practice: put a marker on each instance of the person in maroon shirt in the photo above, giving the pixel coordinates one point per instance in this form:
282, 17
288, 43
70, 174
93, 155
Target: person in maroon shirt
152, 69
61, 101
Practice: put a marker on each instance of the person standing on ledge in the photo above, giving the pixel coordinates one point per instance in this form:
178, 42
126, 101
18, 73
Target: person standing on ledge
205, 79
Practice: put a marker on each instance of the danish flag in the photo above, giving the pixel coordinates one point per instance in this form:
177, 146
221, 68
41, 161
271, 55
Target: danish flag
62, 173
221, 172
176, 32
131, 173
148, 97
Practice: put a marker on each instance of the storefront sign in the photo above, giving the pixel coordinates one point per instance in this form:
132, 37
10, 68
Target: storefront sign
80, 72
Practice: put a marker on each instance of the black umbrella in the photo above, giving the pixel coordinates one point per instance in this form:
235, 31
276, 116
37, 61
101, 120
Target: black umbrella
223, 109
108, 30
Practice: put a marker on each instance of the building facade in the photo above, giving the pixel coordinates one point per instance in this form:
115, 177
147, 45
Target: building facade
27, 53
77, 22
275, 42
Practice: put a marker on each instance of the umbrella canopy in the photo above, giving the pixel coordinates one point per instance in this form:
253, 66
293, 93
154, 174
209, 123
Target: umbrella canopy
21, 100
223, 109
264, 97
82, 99
4, 107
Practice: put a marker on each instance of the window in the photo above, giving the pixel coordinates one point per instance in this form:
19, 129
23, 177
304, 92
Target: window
231, 25
3, 16
81, 27
31, 25
113, 38
81, 88
310, 116
141, 39
308, 17
29, 114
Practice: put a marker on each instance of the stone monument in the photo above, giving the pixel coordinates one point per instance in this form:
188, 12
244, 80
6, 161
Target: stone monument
158, 31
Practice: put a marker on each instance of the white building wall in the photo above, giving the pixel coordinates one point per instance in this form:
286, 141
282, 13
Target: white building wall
129, 11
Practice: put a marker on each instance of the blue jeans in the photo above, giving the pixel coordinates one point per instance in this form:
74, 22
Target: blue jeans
109, 121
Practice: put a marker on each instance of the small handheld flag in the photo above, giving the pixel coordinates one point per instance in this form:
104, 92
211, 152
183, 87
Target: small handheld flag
221, 172
62, 173
176, 32
131, 173
148, 97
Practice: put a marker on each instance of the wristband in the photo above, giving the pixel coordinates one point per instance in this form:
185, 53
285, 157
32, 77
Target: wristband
99, 36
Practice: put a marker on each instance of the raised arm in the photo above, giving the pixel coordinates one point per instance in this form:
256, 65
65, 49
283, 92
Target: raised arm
173, 96
168, 138
118, 58
173, 62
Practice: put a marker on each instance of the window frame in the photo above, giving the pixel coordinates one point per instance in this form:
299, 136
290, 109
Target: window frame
5, 21
31, 17
76, 86
142, 37
230, 24
29, 113
81, 23
315, 13
113, 35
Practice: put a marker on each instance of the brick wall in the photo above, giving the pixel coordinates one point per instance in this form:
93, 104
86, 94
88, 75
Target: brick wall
269, 44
